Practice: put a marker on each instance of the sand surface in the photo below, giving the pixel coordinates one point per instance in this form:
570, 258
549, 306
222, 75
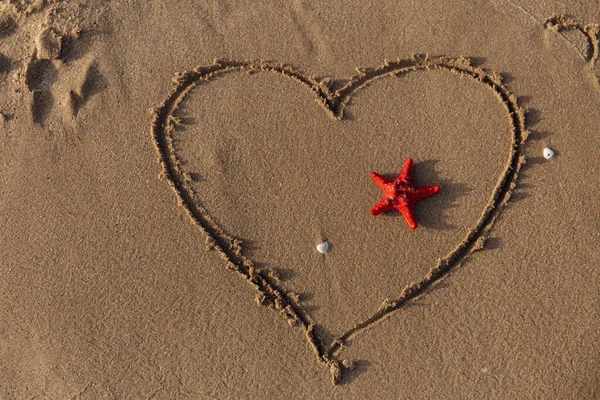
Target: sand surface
151, 196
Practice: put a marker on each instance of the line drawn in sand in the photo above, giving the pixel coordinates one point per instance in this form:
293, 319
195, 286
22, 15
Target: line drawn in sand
562, 23
270, 291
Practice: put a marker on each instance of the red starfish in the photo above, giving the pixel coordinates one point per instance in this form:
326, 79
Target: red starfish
401, 194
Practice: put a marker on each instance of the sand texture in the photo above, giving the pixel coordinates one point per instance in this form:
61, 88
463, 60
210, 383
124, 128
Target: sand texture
168, 168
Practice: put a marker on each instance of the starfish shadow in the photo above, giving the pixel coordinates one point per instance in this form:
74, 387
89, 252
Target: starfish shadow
435, 214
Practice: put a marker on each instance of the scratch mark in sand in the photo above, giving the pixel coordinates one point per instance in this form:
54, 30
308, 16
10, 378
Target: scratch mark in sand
561, 23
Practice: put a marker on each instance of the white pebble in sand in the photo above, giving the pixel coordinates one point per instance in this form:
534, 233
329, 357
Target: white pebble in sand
548, 153
323, 247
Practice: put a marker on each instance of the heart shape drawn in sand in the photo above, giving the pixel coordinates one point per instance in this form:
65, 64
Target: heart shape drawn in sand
270, 291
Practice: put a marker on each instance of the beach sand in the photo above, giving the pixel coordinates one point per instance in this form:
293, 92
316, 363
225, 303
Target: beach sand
167, 165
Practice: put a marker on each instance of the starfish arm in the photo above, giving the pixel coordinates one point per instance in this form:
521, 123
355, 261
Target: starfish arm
379, 180
407, 212
406, 174
424, 191
381, 207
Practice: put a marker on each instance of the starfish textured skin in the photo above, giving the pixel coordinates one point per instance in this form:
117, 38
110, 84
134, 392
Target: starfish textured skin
400, 194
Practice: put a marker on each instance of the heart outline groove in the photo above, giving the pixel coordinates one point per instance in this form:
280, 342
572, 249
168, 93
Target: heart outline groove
265, 281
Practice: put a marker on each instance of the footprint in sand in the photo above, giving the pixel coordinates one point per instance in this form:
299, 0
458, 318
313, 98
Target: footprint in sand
7, 25
51, 80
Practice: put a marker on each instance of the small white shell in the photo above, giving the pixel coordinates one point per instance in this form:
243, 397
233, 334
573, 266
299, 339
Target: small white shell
548, 153
323, 247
